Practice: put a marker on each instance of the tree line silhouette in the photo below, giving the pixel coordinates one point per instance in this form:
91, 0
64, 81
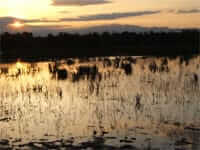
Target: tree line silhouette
24, 45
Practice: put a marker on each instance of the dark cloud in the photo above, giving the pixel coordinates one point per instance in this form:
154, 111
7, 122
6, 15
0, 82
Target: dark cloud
78, 2
7, 20
188, 11
111, 16
39, 21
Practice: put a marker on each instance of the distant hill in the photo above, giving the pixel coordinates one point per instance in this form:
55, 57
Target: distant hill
44, 31
113, 28
119, 28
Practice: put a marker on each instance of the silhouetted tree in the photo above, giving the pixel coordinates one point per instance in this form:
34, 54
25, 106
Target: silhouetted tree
25, 45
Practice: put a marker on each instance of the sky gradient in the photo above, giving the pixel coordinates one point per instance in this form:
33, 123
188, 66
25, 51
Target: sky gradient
73, 14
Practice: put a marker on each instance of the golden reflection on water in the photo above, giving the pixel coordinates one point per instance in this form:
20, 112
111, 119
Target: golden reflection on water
53, 100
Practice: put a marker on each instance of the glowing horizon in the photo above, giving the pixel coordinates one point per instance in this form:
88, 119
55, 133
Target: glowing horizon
17, 24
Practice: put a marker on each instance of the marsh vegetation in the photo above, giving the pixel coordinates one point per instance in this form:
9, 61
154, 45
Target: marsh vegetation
101, 103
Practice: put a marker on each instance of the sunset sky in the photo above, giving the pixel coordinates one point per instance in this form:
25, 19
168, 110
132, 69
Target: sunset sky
70, 14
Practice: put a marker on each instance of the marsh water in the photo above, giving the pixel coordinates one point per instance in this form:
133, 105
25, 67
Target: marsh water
132, 103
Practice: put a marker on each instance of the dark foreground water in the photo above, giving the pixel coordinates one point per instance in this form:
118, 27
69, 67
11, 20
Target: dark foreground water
115, 103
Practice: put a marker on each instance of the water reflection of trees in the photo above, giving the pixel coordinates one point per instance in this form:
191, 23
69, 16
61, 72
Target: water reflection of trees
97, 105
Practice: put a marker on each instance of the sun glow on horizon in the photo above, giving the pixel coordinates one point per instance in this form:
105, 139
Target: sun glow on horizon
17, 24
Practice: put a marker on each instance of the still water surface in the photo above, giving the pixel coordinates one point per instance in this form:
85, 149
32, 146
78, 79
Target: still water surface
101, 103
